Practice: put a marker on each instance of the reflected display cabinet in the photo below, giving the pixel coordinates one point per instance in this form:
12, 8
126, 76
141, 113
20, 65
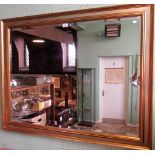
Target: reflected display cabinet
86, 96
33, 104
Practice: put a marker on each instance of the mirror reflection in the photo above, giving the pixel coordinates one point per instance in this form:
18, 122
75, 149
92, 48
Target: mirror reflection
81, 75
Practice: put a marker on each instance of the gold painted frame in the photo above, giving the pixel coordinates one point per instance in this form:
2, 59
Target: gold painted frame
144, 141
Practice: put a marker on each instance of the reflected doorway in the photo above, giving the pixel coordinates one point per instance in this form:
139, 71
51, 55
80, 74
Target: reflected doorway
114, 86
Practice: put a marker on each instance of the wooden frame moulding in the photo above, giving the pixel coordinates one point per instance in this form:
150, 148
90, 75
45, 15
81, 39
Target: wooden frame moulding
143, 141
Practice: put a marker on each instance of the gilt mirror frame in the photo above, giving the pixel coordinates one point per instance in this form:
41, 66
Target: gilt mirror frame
144, 140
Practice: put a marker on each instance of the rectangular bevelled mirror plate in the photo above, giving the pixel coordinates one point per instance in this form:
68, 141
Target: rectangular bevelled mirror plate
71, 75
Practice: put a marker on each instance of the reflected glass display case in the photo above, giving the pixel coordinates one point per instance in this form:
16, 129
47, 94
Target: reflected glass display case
86, 96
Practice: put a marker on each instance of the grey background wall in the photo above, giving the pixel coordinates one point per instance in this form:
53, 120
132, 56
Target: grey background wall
24, 141
92, 45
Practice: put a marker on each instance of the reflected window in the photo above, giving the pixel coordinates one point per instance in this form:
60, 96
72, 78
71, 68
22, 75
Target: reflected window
26, 56
71, 55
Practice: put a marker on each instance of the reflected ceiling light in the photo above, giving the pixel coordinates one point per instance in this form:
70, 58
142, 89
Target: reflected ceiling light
38, 41
65, 25
134, 21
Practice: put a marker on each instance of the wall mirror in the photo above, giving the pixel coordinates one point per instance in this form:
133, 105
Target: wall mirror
81, 75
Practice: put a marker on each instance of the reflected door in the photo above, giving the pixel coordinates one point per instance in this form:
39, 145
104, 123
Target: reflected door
114, 89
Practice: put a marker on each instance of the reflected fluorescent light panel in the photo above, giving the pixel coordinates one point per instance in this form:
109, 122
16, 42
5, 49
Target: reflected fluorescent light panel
38, 41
